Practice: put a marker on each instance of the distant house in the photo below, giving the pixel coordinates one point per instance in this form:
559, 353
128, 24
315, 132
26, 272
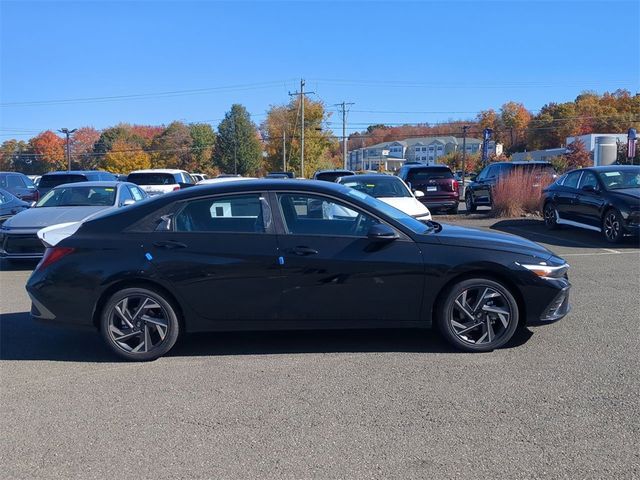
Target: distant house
392, 155
603, 147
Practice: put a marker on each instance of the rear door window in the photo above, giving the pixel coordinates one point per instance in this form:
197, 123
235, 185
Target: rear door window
233, 214
572, 179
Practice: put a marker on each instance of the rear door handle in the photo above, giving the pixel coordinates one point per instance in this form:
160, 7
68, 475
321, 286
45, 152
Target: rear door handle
169, 245
302, 251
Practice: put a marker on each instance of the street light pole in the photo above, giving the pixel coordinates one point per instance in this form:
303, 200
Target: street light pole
68, 132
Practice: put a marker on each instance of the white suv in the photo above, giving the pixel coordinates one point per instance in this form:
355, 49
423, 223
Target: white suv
159, 181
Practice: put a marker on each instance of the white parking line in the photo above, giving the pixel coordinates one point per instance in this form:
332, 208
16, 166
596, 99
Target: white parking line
613, 252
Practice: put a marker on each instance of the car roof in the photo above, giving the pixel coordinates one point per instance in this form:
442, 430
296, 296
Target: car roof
610, 168
422, 165
369, 176
332, 170
12, 173
105, 183
75, 172
159, 170
522, 162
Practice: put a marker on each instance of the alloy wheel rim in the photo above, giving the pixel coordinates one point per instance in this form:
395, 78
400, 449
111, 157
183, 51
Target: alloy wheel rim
611, 226
549, 215
480, 315
468, 202
138, 324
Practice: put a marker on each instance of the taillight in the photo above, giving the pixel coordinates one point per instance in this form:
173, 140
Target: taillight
52, 255
455, 185
177, 187
36, 196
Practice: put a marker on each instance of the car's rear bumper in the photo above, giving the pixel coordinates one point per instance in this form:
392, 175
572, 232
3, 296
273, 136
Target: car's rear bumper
438, 204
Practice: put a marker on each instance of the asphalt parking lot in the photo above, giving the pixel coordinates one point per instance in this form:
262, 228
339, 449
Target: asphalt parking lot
561, 401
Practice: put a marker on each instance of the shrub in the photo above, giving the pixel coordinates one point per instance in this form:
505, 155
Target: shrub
519, 193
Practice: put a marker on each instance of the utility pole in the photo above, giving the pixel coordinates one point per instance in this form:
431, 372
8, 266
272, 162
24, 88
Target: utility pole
302, 94
464, 154
343, 108
68, 132
235, 147
284, 149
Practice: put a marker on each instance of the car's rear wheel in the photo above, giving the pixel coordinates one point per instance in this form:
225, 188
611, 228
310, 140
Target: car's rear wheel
612, 226
468, 201
478, 315
550, 216
139, 324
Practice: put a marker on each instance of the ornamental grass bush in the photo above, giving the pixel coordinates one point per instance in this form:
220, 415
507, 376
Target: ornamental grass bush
519, 193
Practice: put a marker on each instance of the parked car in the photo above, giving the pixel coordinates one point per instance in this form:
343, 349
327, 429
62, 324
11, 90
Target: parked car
53, 179
331, 175
188, 262
71, 202
280, 175
391, 190
35, 179
159, 181
602, 199
479, 191
436, 182
19, 185
10, 205
198, 177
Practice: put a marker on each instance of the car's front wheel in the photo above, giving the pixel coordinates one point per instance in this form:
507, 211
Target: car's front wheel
139, 324
468, 201
478, 315
550, 216
612, 226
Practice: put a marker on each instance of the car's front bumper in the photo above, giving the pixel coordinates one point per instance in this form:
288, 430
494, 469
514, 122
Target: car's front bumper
21, 246
558, 307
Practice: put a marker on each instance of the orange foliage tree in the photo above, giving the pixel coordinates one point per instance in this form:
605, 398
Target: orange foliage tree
50, 150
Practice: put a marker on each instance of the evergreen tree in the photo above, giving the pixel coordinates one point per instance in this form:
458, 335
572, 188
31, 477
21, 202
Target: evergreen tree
238, 148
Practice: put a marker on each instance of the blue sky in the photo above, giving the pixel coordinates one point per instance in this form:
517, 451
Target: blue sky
430, 60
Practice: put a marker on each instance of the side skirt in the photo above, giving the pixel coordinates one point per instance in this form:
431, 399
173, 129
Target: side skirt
562, 221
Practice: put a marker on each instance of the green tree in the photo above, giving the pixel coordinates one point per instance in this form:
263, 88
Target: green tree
172, 148
321, 148
238, 148
204, 139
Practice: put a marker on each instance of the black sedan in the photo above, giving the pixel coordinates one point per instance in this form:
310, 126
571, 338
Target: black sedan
10, 205
288, 254
604, 199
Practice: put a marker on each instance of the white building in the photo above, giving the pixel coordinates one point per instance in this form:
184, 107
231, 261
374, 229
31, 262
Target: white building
392, 155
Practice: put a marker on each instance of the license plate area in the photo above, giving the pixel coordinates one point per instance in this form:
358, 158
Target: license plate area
432, 189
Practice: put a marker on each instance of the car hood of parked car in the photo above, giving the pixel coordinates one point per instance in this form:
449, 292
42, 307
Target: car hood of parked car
40, 217
475, 238
408, 205
627, 193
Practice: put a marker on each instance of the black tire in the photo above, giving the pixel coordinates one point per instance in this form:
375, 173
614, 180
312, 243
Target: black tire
454, 210
612, 226
468, 201
448, 313
550, 216
161, 328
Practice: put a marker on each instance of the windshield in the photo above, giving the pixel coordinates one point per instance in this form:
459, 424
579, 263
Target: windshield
380, 187
50, 181
79, 196
619, 179
422, 174
332, 176
398, 215
152, 179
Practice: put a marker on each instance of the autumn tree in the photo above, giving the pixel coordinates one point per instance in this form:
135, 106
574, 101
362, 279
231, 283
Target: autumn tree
321, 148
172, 148
577, 156
203, 140
50, 150
125, 157
122, 132
238, 148
514, 121
82, 144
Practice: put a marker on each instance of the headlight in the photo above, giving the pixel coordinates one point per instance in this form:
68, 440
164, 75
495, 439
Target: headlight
547, 271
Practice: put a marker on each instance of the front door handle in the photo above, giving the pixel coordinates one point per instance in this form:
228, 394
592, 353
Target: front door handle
169, 245
302, 251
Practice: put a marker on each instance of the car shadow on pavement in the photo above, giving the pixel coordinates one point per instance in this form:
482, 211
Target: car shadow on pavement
21, 338
564, 236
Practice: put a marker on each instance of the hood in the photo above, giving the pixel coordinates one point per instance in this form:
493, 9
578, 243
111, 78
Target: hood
476, 238
408, 205
37, 218
628, 194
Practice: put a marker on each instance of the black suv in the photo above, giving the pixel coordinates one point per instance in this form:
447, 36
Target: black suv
478, 192
433, 185
19, 185
331, 175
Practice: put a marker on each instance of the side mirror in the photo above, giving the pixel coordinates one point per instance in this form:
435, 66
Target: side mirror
186, 185
127, 202
589, 189
473, 178
382, 233
418, 193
